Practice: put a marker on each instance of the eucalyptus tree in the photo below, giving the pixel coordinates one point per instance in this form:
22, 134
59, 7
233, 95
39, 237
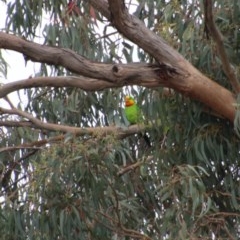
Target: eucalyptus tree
71, 165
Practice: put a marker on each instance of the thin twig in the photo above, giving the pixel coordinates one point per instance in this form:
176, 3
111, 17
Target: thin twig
218, 39
8, 101
33, 145
133, 166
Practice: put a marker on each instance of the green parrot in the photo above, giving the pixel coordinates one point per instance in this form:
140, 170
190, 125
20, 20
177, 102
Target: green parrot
134, 115
132, 111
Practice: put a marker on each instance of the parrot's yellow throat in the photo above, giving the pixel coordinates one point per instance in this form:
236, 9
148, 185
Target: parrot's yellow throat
129, 101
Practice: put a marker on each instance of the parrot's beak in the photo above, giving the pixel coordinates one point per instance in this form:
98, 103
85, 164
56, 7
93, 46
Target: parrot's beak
128, 101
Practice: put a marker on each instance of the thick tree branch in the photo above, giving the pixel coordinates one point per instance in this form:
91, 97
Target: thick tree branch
218, 39
189, 81
115, 73
102, 7
85, 83
32, 122
186, 79
134, 29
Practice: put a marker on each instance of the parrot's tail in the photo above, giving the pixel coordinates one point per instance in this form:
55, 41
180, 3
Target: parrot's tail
146, 139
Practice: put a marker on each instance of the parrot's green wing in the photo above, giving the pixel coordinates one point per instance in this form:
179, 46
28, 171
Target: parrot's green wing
133, 114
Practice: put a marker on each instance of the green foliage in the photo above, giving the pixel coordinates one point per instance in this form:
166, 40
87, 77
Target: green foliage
185, 187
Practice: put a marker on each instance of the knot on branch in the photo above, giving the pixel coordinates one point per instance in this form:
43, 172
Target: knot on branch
115, 68
165, 71
117, 71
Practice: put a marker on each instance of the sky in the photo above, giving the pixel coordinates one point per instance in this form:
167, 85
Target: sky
17, 68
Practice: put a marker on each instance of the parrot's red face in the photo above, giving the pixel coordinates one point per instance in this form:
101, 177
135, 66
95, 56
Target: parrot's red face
129, 101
